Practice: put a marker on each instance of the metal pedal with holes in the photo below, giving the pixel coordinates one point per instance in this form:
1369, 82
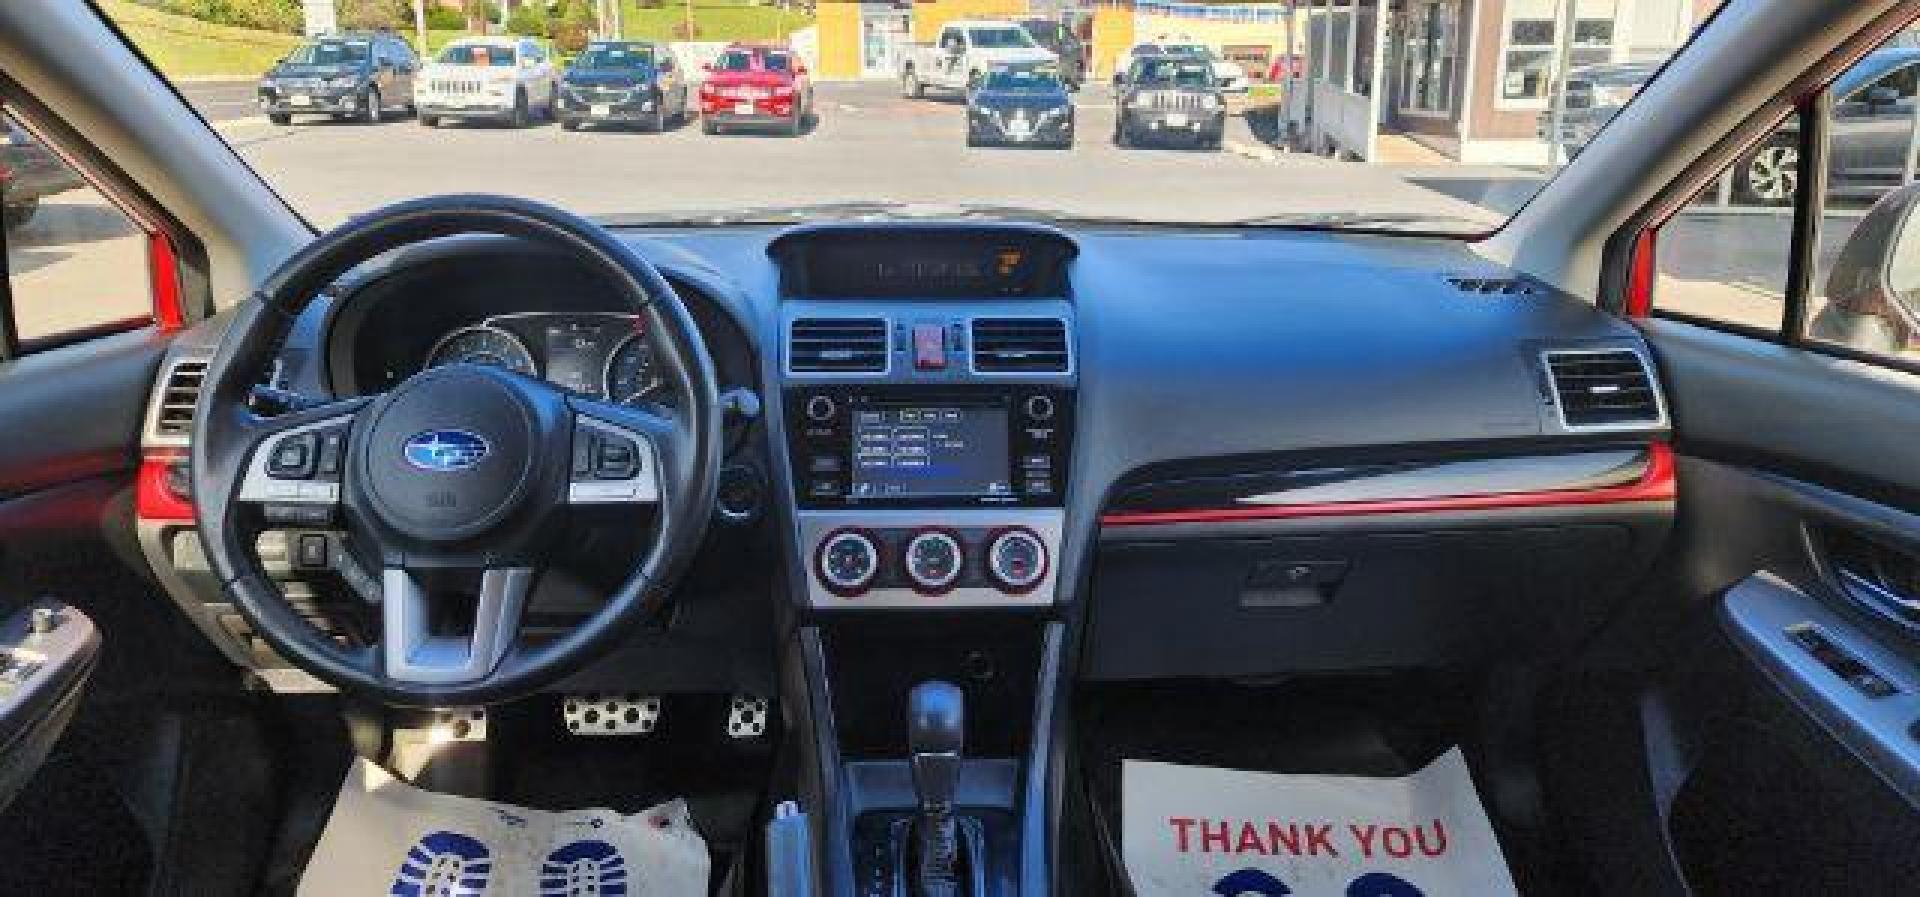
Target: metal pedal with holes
746, 717
610, 714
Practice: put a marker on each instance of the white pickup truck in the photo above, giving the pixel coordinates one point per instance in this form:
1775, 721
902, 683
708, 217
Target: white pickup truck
964, 52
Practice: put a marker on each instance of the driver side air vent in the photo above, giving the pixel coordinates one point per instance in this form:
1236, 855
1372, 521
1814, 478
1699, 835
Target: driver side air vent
1598, 389
838, 346
1020, 346
178, 393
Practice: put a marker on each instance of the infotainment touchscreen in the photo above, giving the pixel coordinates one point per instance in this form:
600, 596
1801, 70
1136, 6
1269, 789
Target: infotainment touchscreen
906, 451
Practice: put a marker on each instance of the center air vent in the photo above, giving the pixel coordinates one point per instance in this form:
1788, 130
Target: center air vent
1603, 389
838, 346
179, 392
1020, 346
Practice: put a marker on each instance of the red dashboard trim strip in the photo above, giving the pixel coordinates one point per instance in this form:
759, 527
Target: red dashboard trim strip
152, 499
164, 266
1657, 483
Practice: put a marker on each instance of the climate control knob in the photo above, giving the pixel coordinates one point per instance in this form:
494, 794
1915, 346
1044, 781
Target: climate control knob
934, 560
847, 562
1017, 559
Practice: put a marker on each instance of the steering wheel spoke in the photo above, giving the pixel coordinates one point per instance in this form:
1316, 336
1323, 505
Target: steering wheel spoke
621, 454
430, 637
299, 460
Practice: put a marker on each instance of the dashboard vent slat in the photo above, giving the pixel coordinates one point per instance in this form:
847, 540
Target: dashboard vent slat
178, 396
1021, 346
838, 346
1495, 287
1603, 389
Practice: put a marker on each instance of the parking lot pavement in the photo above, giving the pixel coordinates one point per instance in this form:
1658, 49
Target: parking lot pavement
222, 101
867, 144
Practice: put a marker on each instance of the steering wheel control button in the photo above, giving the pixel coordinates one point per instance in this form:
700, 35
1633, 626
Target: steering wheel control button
297, 515
617, 458
610, 466
847, 562
1018, 560
332, 445
934, 560
293, 458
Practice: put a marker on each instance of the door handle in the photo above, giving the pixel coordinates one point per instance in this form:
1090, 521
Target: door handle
1869, 591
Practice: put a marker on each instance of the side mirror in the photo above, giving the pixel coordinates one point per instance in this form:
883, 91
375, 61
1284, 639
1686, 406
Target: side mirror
1874, 286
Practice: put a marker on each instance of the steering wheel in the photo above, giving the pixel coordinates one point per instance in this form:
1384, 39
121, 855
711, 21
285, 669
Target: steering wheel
459, 480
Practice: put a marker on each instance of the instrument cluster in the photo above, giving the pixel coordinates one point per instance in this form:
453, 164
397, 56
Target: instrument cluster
606, 355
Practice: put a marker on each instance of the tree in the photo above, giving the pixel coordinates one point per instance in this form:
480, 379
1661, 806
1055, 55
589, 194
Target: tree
367, 15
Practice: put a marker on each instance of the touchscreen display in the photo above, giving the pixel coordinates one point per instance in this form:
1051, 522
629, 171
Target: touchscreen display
902, 451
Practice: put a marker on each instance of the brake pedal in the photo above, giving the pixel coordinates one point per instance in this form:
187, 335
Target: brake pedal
746, 717
610, 714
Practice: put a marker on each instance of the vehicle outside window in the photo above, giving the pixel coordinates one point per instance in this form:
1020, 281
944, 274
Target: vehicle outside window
76, 264
1434, 116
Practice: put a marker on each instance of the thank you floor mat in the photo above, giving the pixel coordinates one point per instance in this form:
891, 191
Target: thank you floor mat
389, 838
1197, 831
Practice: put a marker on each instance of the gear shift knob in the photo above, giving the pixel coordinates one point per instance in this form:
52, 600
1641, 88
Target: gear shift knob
936, 721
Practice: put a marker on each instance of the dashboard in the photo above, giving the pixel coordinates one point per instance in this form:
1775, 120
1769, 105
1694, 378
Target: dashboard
971, 417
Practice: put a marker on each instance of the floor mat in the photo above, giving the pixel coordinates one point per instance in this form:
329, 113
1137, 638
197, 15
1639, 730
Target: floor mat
387, 837
1191, 830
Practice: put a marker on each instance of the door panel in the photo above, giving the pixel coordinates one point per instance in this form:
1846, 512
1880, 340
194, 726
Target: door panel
1768, 710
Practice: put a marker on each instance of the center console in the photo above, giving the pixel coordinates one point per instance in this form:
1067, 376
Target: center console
941, 496
926, 408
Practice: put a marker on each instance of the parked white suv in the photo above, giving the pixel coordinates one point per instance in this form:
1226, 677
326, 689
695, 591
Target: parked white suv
505, 79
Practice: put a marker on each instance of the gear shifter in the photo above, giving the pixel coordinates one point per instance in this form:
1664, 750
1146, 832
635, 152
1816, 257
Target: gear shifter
936, 715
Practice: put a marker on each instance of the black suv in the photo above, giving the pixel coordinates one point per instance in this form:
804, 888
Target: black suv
1170, 98
358, 76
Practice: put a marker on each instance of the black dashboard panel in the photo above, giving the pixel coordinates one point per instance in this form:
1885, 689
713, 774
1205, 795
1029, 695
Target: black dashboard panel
925, 261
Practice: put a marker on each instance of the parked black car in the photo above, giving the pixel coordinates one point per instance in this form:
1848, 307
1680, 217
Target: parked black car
28, 173
623, 82
1056, 36
1021, 105
1170, 99
358, 76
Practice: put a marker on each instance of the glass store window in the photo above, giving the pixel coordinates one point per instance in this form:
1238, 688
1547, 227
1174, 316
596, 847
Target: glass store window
1531, 50
1431, 46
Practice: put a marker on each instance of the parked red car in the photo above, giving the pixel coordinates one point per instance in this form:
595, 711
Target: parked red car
757, 86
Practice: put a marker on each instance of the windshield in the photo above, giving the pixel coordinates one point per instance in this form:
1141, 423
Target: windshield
329, 52
1440, 116
605, 57
1172, 73
997, 38
1023, 80
477, 54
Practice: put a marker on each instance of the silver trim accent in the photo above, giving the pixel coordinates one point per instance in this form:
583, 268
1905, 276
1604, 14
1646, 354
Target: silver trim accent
873, 551
993, 559
1761, 612
259, 487
414, 654
643, 488
959, 559
886, 347
1066, 330
1646, 366
813, 526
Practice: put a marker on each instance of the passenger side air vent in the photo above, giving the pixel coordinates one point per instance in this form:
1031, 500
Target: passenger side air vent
179, 392
838, 346
1495, 286
1603, 389
1020, 346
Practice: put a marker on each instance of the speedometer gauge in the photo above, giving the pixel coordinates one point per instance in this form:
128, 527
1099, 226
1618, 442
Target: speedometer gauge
490, 346
632, 375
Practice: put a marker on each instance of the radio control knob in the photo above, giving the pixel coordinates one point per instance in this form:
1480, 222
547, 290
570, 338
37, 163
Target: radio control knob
1039, 407
1017, 559
847, 562
934, 560
821, 408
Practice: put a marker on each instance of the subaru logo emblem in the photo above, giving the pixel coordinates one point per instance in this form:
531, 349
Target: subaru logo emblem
445, 450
